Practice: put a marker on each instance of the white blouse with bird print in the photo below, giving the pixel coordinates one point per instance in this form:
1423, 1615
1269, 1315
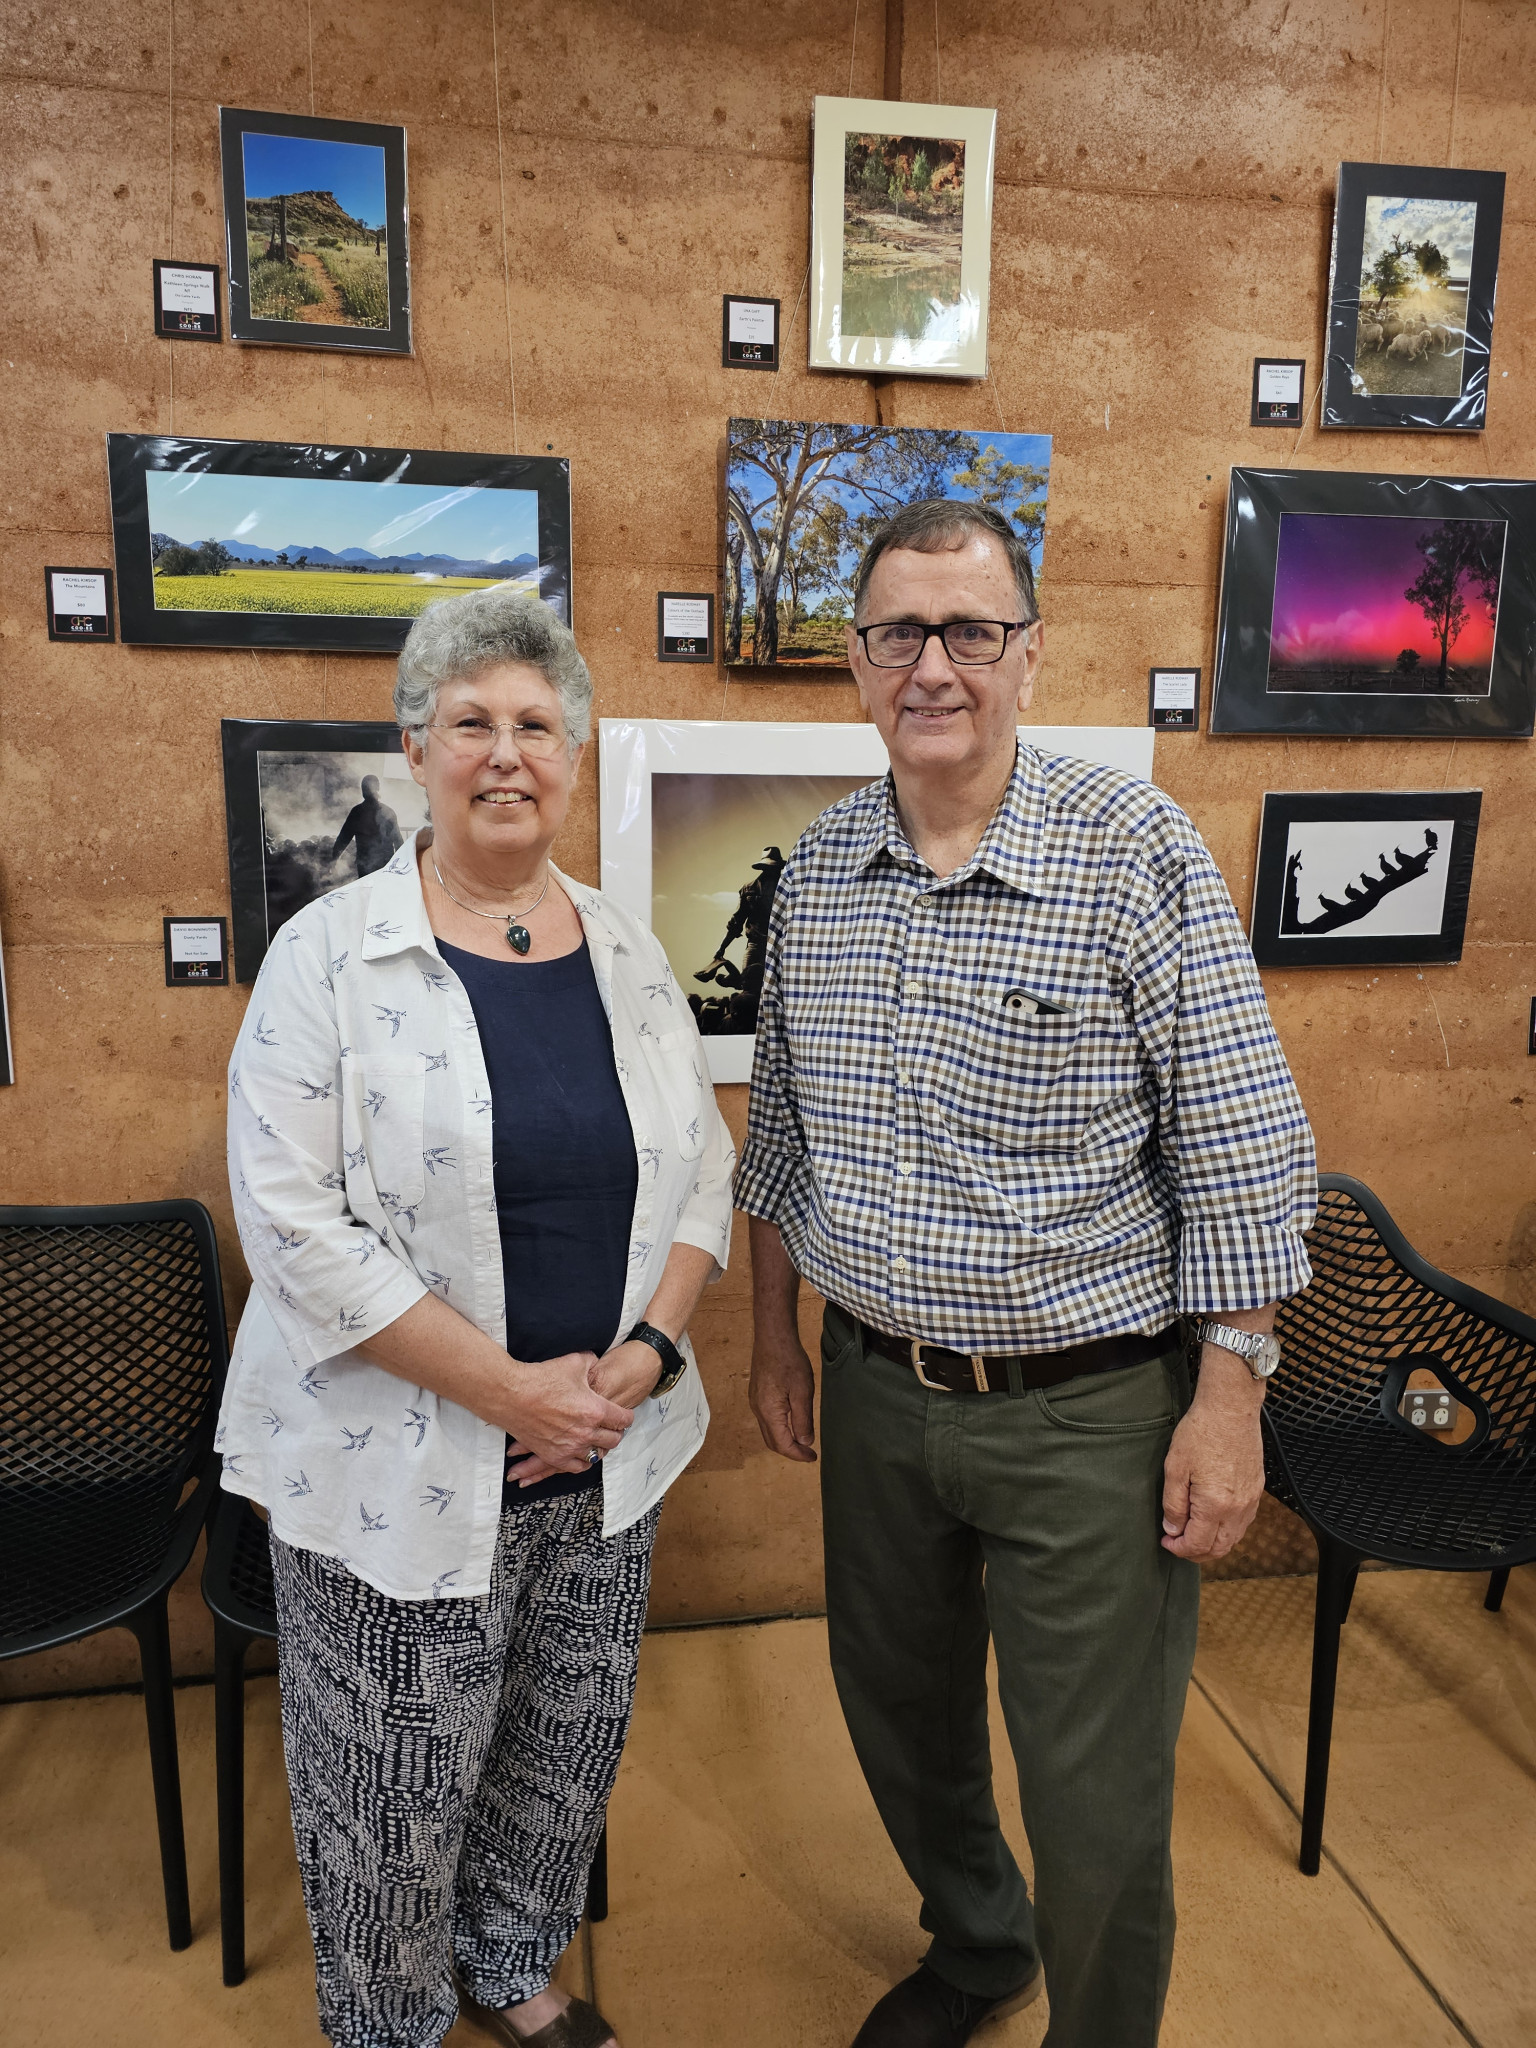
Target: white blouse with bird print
360, 1163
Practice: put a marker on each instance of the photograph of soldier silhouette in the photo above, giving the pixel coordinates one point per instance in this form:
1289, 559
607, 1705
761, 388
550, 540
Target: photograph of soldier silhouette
718, 847
327, 818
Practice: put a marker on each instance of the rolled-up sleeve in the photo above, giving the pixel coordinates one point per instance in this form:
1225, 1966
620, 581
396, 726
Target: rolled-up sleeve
774, 1157
1234, 1136
327, 1278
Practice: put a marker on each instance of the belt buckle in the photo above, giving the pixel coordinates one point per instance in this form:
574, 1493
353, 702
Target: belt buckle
978, 1371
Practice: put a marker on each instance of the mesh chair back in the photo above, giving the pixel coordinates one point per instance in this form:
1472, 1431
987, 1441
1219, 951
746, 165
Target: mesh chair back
112, 1358
1347, 1464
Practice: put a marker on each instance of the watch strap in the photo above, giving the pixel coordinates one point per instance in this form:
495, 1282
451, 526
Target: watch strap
673, 1363
1259, 1353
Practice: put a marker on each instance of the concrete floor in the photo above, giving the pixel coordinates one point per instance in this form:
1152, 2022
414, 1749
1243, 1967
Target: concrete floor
756, 1902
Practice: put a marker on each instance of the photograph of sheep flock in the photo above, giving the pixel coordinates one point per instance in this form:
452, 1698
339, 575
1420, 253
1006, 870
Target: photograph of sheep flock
903, 225
315, 227
344, 548
1415, 267
1388, 606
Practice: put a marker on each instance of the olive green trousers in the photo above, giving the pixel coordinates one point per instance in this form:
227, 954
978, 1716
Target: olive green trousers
1034, 1520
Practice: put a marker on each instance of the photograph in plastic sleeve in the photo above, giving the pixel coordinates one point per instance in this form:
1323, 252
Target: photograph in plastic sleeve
7, 1061
310, 806
1415, 264
1364, 879
1400, 606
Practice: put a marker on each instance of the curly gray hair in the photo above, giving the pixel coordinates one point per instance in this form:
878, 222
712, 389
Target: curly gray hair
461, 636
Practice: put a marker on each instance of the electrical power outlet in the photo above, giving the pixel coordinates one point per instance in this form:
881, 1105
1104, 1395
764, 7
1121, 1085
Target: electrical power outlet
1430, 1408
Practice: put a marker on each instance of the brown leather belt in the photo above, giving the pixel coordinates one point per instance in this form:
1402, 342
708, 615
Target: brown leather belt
963, 1372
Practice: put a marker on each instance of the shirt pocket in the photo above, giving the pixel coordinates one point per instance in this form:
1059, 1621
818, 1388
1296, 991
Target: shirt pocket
1001, 1080
673, 1060
393, 1121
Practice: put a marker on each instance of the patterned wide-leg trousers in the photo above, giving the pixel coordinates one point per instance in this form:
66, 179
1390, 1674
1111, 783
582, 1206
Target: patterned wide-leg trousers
449, 1763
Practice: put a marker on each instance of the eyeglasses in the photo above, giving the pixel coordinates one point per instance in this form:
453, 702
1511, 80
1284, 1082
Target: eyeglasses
471, 737
969, 643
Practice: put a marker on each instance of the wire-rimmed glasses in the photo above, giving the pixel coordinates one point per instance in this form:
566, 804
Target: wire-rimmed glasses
969, 643
469, 737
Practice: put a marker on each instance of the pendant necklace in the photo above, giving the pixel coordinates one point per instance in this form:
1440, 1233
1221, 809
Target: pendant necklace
519, 938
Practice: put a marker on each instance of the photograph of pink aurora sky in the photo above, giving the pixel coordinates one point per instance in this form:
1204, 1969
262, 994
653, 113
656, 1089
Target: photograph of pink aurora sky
1389, 606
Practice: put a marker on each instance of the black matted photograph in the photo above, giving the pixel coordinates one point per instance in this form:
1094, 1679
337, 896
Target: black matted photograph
1402, 606
271, 544
1370, 878
310, 805
7, 1062
316, 221
1412, 275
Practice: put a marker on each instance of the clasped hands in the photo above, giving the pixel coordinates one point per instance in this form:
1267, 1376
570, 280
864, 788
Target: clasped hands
562, 1409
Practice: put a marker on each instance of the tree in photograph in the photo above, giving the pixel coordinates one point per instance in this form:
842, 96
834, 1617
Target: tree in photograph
1461, 559
1016, 489
1432, 264
1407, 661
1389, 273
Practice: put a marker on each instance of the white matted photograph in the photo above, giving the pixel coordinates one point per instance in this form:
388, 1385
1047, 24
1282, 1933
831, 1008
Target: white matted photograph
700, 816
901, 237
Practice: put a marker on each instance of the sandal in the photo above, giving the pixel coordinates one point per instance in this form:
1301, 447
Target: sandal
579, 2026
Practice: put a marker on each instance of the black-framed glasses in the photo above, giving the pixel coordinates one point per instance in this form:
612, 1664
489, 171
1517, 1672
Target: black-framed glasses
969, 643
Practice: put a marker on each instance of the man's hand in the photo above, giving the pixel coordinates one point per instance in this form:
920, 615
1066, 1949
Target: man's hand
783, 1397
1213, 1476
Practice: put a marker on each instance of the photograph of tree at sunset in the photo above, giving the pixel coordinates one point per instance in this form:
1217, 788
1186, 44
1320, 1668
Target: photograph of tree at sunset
1385, 606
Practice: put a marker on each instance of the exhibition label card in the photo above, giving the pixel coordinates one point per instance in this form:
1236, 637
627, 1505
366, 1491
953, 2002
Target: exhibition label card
751, 334
685, 626
1279, 384
196, 952
187, 301
79, 604
1173, 699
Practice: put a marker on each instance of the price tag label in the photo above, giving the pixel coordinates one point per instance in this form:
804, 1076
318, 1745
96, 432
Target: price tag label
196, 952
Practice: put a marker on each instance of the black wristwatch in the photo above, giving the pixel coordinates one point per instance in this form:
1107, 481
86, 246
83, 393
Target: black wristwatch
673, 1363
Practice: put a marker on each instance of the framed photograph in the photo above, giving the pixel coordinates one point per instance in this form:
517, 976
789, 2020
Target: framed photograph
901, 237
1373, 878
698, 818
1173, 699
1411, 282
803, 498
1279, 391
196, 952
316, 225
7, 1060
1403, 606
685, 625
271, 544
187, 301
79, 604
309, 805
749, 334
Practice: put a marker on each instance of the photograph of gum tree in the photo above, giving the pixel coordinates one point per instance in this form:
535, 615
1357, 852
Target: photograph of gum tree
1415, 266
315, 224
1391, 607
903, 225
803, 498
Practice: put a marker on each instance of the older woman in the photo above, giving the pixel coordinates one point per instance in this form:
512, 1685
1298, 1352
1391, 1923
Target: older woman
481, 1182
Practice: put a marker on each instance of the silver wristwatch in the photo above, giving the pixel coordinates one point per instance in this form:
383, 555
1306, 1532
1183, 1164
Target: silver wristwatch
1260, 1354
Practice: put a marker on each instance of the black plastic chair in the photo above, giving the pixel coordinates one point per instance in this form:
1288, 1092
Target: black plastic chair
1365, 1482
237, 1585
112, 1360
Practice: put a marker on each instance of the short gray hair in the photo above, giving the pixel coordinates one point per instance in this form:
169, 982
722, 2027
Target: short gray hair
934, 524
462, 636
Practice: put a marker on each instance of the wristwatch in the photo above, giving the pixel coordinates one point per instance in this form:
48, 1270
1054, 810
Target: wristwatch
1260, 1354
673, 1363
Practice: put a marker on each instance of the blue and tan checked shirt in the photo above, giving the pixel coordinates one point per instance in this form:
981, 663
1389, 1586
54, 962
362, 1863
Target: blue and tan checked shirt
1123, 1145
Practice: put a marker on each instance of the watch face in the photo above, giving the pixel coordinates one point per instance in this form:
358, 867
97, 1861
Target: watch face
1266, 1359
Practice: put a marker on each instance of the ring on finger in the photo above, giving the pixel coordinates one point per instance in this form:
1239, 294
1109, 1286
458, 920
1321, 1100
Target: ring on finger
594, 1456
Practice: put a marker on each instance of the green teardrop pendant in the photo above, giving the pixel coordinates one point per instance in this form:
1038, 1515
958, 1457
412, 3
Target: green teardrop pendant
519, 938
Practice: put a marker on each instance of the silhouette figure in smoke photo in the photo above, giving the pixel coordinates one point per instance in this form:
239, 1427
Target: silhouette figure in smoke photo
736, 1011
372, 828
1359, 901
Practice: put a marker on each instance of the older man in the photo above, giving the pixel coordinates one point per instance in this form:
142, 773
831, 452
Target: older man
1018, 1112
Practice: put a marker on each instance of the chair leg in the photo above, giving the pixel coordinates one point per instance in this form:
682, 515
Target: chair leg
1336, 1571
152, 1627
229, 1647
1497, 1581
597, 1880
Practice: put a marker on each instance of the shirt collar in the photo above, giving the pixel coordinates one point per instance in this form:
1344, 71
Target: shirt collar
1010, 848
397, 909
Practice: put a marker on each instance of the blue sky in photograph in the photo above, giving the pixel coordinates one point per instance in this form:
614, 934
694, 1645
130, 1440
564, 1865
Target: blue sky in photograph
352, 171
473, 522
1451, 224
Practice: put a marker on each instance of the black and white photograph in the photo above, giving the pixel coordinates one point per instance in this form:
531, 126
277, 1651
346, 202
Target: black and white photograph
1365, 879
1401, 606
274, 544
316, 225
310, 805
1411, 290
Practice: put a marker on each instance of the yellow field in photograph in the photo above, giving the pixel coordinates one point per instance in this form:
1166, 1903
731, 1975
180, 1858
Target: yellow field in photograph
334, 592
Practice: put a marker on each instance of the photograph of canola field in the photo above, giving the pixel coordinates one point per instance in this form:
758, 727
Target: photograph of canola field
315, 231
330, 546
